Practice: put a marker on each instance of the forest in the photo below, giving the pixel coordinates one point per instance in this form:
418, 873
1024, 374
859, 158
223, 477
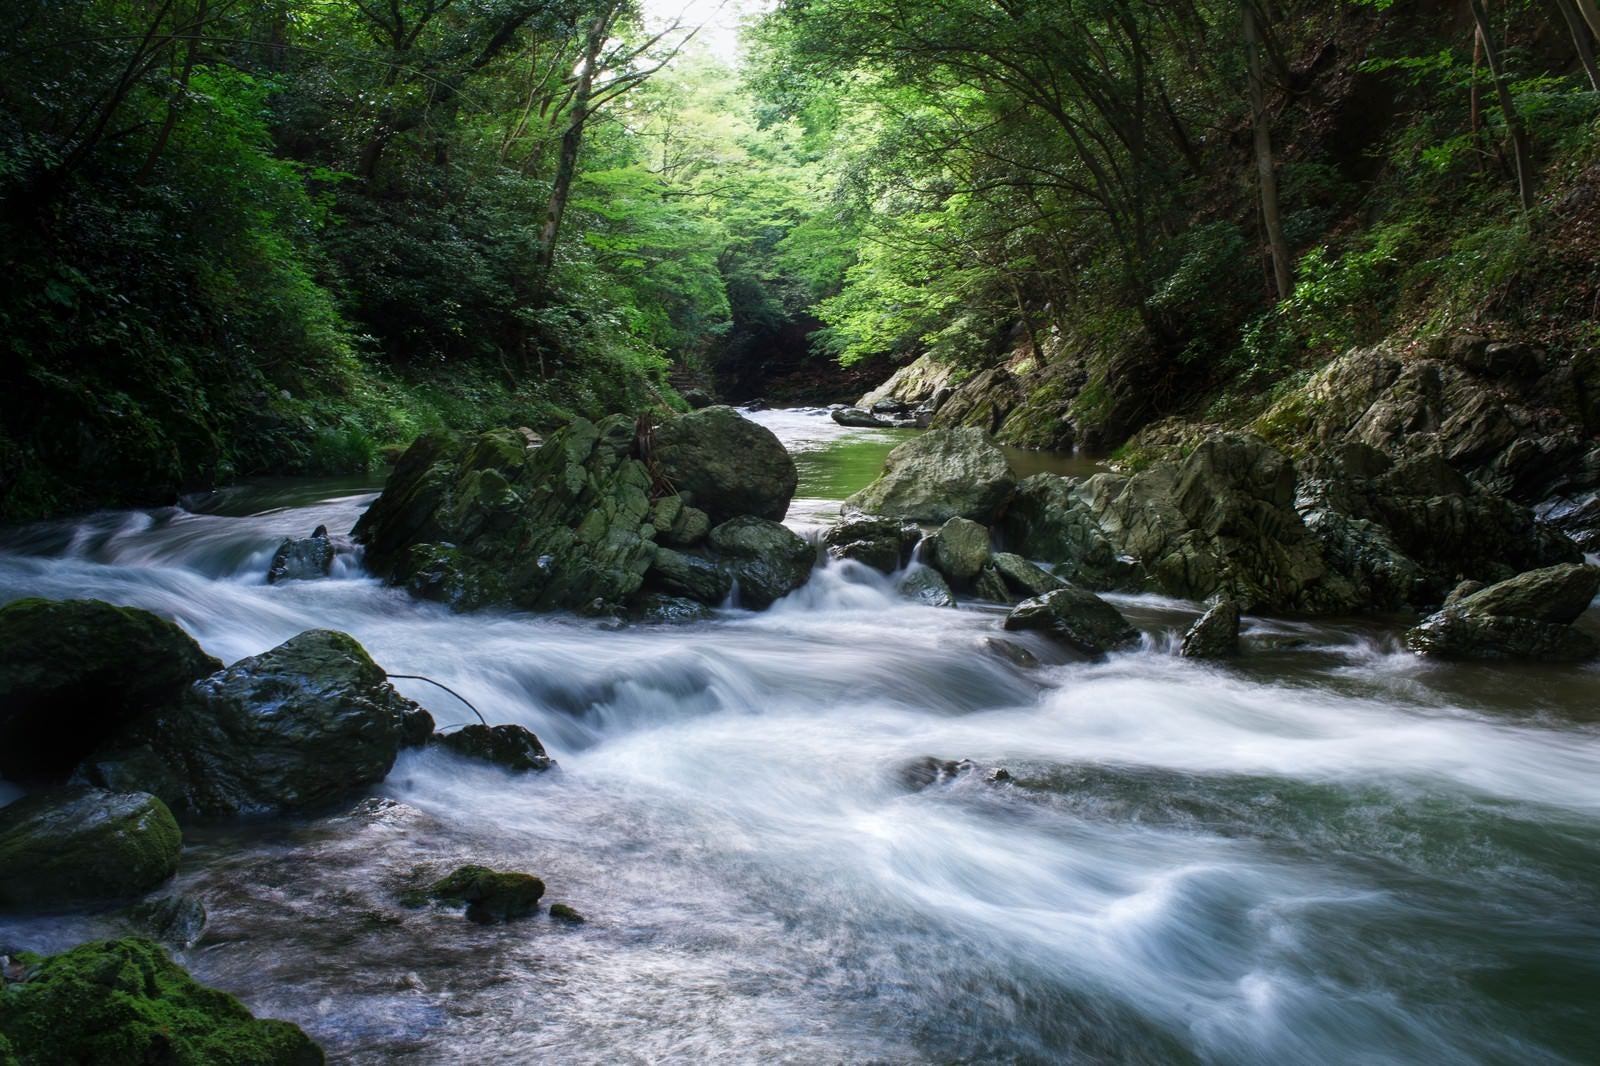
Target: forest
288, 237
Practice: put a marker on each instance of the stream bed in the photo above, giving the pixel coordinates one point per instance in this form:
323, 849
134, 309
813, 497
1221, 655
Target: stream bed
1328, 851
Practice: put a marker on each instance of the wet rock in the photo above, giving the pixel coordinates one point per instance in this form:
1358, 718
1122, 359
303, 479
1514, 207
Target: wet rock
767, 560
928, 771
1011, 652
1577, 516
1526, 617
175, 920
490, 896
693, 576
678, 525
76, 845
856, 417
959, 550
927, 587
656, 609
939, 475
302, 560
125, 1001
1462, 591
1022, 577
305, 723
1049, 518
510, 746
1215, 635
1077, 618
490, 521
881, 543
697, 399
991, 587
726, 464
74, 672
560, 912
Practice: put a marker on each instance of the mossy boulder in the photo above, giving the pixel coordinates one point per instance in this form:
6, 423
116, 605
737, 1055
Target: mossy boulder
73, 672
940, 475
125, 1003
492, 521
490, 895
767, 561
959, 550
1526, 617
511, 746
725, 464
75, 845
1077, 618
298, 726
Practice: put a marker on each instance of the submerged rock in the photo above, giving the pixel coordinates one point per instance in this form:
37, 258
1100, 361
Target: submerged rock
175, 920
69, 846
511, 746
302, 560
725, 464
1526, 617
1215, 635
74, 672
930, 770
1077, 618
562, 913
305, 723
939, 475
490, 896
125, 1001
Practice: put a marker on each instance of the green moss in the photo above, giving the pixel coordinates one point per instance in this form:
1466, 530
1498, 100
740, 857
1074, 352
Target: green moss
125, 1003
562, 913
66, 846
489, 894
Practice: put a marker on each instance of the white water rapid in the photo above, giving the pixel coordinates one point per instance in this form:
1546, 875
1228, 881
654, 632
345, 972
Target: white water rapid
1327, 852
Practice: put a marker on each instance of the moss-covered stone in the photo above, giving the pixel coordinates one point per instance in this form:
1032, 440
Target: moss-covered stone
125, 1003
81, 845
562, 913
490, 895
73, 672
511, 746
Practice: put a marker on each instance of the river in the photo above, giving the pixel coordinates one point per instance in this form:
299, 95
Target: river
1325, 852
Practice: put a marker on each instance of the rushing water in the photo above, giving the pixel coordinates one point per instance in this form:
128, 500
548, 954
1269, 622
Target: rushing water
1328, 852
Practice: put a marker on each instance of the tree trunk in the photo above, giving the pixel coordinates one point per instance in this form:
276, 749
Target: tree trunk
1259, 123
1508, 107
1580, 41
571, 142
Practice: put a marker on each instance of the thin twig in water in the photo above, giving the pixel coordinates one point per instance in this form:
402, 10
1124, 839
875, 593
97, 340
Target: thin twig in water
447, 688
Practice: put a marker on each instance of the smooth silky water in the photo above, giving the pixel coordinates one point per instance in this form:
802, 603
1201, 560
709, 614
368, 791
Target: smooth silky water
1328, 852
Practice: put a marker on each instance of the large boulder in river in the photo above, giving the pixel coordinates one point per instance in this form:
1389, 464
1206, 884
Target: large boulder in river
302, 560
881, 543
1077, 618
297, 726
125, 1002
766, 560
1049, 518
959, 550
69, 846
492, 521
1526, 617
73, 672
939, 475
725, 464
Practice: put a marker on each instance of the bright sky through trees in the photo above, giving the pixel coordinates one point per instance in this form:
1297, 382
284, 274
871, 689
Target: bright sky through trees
719, 21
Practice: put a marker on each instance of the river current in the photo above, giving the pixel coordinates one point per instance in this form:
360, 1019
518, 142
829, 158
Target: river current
1327, 851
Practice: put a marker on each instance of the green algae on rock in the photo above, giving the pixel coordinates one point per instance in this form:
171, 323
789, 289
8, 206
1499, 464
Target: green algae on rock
69, 846
125, 1003
490, 895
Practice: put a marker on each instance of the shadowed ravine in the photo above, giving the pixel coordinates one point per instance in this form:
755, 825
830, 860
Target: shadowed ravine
1330, 852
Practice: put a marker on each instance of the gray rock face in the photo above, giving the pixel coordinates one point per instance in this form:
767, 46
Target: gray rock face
1215, 635
1077, 618
510, 746
767, 560
74, 672
881, 543
981, 402
495, 522
727, 464
302, 560
939, 475
959, 550
1050, 518
297, 726
68, 846
1526, 617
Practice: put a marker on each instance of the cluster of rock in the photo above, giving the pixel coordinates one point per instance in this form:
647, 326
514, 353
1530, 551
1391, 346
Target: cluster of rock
1234, 522
615, 516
